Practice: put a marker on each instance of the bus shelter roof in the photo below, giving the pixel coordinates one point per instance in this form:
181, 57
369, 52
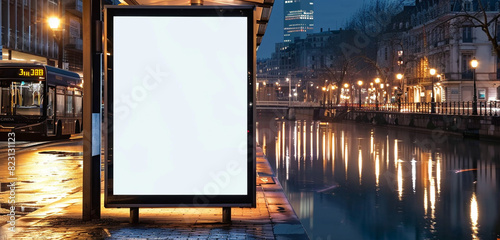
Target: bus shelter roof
263, 9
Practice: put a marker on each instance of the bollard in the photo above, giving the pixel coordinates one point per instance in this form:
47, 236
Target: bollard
226, 215
134, 215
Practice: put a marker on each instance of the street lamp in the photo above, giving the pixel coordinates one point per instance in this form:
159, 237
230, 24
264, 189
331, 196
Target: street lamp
55, 25
346, 86
377, 81
474, 63
334, 93
360, 83
289, 91
324, 96
433, 103
399, 76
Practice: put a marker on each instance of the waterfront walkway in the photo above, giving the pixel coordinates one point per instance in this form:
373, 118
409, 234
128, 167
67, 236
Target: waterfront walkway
273, 218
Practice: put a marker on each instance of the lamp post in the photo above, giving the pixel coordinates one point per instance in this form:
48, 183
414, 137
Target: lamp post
399, 76
387, 93
55, 25
433, 103
289, 91
474, 63
324, 96
382, 92
346, 86
377, 81
334, 95
360, 83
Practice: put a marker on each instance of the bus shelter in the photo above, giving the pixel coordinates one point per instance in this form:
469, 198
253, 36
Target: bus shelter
93, 62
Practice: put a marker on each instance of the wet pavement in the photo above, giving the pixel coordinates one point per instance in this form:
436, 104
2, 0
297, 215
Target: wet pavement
273, 218
45, 172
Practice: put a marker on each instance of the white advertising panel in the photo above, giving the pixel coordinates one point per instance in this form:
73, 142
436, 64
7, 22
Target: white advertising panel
180, 105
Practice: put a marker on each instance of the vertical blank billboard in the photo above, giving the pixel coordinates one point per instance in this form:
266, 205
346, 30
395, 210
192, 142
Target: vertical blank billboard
180, 106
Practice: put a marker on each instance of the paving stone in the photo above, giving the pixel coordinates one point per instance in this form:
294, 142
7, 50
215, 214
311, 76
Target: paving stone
273, 218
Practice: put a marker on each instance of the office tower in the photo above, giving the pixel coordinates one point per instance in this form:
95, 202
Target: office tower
299, 19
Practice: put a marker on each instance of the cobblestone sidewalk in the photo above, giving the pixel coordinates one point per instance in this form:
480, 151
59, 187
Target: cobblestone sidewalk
273, 218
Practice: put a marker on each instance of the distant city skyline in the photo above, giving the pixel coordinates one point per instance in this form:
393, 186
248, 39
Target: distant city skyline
327, 14
299, 19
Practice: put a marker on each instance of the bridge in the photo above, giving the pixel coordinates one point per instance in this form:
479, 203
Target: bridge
285, 104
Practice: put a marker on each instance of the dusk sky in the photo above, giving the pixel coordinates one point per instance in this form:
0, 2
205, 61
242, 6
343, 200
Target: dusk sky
327, 14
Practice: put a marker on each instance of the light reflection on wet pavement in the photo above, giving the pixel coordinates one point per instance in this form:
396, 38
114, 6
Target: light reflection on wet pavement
45, 172
352, 181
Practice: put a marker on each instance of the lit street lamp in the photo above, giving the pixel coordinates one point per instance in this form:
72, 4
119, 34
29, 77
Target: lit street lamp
324, 96
55, 25
360, 83
474, 63
289, 91
433, 103
399, 76
346, 86
377, 81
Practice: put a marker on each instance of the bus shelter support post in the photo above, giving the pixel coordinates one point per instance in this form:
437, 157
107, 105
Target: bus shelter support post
226, 215
134, 215
92, 62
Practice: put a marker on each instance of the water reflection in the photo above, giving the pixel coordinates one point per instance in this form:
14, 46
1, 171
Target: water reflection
349, 181
474, 216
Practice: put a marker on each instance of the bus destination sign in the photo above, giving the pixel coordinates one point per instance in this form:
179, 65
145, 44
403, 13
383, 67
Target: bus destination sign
37, 73
31, 72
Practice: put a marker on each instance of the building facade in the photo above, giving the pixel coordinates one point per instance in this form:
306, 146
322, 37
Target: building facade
309, 64
299, 19
438, 35
27, 37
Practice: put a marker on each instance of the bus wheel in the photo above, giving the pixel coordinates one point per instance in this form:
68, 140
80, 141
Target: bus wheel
59, 129
77, 127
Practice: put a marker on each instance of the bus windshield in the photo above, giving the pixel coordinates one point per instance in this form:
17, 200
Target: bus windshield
21, 98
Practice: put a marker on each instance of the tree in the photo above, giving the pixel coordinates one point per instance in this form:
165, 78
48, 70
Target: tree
484, 19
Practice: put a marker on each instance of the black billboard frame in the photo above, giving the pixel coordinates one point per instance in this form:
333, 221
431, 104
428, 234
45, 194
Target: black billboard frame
151, 201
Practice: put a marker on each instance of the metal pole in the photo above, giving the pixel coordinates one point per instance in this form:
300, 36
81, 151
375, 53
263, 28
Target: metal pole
433, 99
60, 42
359, 97
324, 98
289, 91
134, 215
226, 215
92, 65
474, 99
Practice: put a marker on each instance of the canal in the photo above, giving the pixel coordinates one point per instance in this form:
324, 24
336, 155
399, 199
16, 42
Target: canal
357, 181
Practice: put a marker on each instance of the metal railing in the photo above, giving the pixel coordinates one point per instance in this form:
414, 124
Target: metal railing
484, 108
287, 104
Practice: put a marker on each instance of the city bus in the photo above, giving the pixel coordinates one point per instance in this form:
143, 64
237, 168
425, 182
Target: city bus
38, 101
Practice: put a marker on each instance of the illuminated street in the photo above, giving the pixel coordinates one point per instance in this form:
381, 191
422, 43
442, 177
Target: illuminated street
273, 217
46, 172
359, 181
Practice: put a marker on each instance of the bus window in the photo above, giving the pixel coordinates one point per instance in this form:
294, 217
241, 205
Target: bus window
78, 106
5, 102
26, 97
50, 104
60, 105
69, 106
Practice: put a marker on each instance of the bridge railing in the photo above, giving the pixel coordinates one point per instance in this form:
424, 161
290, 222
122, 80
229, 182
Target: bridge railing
484, 108
286, 104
